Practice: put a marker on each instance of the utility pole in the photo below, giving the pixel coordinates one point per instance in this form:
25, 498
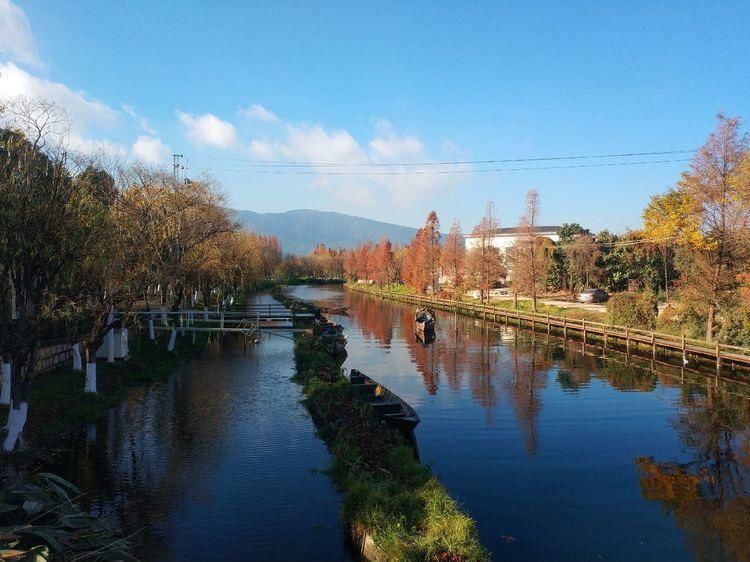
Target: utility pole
176, 166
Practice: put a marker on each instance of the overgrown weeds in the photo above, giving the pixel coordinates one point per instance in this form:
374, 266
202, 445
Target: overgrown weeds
388, 495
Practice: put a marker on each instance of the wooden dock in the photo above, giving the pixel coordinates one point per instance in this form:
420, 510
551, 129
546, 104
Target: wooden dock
606, 334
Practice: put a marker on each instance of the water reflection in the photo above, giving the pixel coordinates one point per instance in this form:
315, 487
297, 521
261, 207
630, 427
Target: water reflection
215, 463
565, 451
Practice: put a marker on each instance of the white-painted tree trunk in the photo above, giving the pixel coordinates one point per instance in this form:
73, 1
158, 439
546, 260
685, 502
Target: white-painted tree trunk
205, 313
231, 301
151, 334
172, 339
111, 338
182, 326
16, 423
91, 433
90, 378
163, 316
124, 348
77, 364
5, 390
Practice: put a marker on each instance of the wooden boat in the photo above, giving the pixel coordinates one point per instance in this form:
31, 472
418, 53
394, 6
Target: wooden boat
333, 341
334, 309
425, 320
425, 338
322, 324
387, 406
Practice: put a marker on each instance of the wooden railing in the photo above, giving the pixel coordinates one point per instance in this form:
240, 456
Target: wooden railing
720, 353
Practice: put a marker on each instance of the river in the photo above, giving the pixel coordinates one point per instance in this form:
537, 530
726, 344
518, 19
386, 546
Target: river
559, 453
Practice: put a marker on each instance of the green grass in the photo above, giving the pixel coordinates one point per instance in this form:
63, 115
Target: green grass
388, 494
553, 310
58, 406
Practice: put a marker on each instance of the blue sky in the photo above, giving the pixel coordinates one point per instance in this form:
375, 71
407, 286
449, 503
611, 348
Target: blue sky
230, 83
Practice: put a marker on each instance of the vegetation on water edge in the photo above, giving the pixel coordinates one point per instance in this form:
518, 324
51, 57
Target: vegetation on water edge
60, 395
40, 521
388, 495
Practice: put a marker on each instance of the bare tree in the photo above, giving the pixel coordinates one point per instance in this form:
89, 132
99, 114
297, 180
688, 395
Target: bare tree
485, 263
530, 257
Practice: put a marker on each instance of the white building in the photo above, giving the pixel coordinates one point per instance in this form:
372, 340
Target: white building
504, 238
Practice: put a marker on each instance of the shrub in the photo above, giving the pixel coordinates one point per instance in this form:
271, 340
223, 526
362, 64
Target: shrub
635, 310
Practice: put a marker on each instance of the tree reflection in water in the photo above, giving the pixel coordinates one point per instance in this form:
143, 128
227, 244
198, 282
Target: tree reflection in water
708, 496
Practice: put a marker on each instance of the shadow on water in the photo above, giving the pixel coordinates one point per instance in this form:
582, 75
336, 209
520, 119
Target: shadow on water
564, 451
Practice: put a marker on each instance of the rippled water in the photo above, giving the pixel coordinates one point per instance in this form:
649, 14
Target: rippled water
558, 454
563, 455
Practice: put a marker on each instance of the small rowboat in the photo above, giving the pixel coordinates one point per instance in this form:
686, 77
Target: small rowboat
387, 406
334, 309
321, 325
333, 341
425, 320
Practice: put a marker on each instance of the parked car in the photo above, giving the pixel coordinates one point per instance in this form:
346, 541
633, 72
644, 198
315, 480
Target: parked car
592, 295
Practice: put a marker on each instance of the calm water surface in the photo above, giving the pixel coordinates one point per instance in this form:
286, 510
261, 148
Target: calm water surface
559, 455
217, 463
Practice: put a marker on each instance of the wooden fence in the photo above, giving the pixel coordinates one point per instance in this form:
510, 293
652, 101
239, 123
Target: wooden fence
721, 354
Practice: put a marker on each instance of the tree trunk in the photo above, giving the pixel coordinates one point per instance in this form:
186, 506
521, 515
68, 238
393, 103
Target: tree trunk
91, 369
172, 339
666, 272
77, 357
16, 416
710, 322
7, 381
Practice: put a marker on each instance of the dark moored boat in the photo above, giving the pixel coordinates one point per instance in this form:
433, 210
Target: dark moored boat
425, 320
334, 309
321, 325
387, 406
333, 340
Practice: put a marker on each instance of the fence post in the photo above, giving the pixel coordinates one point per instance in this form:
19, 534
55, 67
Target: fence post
718, 357
653, 346
548, 328
604, 330
627, 340
584, 332
565, 328
684, 354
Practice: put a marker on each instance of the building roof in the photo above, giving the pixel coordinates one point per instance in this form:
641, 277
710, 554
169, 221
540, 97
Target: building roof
515, 230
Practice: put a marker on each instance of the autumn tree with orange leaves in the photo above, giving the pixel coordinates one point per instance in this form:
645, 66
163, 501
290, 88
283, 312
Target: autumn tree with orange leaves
421, 267
453, 256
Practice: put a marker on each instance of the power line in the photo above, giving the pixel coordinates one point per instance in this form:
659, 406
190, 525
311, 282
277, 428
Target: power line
438, 172
300, 164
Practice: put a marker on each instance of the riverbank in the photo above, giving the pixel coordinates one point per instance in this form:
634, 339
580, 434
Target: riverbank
395, 508
59, 407
691, 351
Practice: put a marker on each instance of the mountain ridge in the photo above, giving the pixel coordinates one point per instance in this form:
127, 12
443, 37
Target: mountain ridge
300, 230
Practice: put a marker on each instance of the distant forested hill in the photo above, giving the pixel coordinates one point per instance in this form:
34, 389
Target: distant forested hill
301, 230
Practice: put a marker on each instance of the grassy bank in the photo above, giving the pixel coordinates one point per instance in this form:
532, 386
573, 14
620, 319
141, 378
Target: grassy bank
390, 499
524, 305
58, 406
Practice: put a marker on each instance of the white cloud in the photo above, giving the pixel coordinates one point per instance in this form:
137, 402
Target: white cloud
88, 145
348, 187
257, 111
16, 39
207, 129
151, 150
83, 110
142, 122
